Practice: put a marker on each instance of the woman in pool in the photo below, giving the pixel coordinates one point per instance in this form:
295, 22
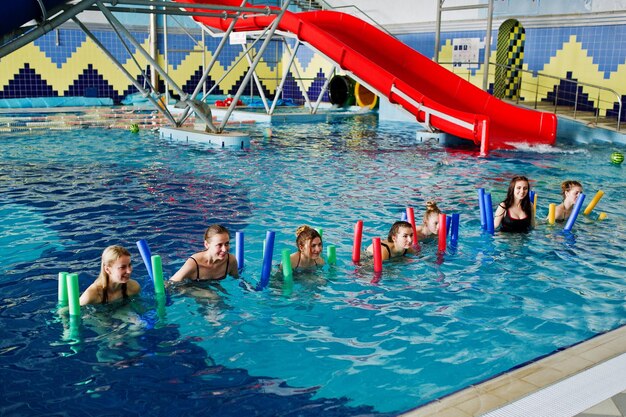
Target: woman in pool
570, 191
515, 213
430, 225
212, 264
114, 282
399, 241
309, 244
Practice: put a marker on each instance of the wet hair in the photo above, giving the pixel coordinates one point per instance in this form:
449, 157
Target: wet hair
213, 230
395, 228
568, 185
510, 198
431, 208
305, 233
109, 256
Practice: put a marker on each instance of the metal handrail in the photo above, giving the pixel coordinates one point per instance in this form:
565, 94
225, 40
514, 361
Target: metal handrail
537, 89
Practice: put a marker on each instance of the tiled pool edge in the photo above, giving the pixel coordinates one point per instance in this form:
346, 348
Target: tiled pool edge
504, 389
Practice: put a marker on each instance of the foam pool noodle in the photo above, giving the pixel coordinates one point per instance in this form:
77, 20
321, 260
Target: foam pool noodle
63, 297
331, 255
144, 251
356, 246
73, 294
551, 213
286, 263
267, 259
593, 202
157, 271
442, 232
378, 258
410, 215
574, 214
489, 213
481, 205
239, 242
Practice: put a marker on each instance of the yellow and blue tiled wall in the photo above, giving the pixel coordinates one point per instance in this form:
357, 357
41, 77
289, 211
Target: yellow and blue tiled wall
590, 54
66, 63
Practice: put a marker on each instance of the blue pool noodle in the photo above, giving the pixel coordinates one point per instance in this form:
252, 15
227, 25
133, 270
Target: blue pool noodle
572, 217
144, 250
267, 259
481, 204
403, 217
454, 234
448, 225
239, 249
489, 213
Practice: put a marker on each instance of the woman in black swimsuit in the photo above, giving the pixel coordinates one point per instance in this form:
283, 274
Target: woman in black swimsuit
214, 263
515, 213
114, 282
399, 241
309, 244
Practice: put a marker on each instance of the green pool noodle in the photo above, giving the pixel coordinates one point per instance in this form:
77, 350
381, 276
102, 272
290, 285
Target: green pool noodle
73, 294
74, 333
287, 271
320, 231
62, 289
160, 298
157, 272
331, 255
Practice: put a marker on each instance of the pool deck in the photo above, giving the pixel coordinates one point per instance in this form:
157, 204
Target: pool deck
584, 380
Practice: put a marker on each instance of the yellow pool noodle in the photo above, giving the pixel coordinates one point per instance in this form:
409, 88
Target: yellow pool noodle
593, 202
551, 213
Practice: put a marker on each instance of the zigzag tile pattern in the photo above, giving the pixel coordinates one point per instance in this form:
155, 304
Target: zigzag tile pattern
66, 62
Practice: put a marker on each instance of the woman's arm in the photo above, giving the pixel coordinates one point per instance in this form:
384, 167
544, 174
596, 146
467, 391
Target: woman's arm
90, 296
233, 269
133, 287
187, 270
497, 219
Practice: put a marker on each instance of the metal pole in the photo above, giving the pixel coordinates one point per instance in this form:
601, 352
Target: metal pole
298, 80
257, 58
113, 20
279, 90
438, 30
487, 46
153, 49
256, 81
208, 68
165, 57
44, 28
132, 79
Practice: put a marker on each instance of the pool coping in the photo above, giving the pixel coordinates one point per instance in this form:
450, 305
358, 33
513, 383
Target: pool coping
528, 380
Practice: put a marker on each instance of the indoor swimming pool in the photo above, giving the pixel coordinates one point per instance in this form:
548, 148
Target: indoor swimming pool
341, 341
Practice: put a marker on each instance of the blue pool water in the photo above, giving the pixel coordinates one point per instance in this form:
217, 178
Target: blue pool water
338, 343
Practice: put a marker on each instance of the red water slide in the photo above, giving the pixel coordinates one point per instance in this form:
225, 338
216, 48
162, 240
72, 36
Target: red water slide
424, 88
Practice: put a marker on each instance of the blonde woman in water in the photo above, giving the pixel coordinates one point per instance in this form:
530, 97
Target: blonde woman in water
114, 282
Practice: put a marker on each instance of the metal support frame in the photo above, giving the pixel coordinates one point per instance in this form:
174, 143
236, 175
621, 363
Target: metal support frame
489, 7
116, 23
255, 62
147, 94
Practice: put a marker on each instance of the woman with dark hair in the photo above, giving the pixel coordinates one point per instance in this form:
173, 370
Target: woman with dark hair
212, 264
114, 282
515, 213
399, 241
